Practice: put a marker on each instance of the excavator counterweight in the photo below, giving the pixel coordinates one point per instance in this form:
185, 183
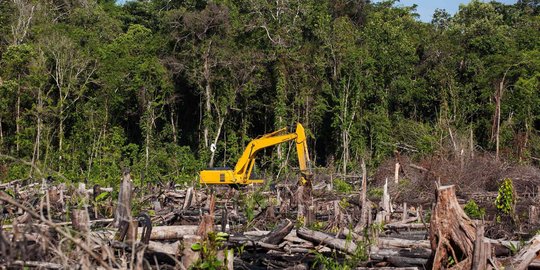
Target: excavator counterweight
242, 171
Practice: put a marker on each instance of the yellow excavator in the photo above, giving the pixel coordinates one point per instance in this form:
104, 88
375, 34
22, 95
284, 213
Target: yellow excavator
241, 175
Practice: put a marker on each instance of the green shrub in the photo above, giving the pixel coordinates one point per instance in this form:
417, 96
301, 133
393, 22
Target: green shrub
342, 186
506, 199
208, 250
473, 210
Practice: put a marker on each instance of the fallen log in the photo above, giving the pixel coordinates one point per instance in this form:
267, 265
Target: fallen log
171, 249
325, 239
92, 222
36, 264
171, 232
160, 233
400, 225
387, 242
377, 253
276, 236
526, 255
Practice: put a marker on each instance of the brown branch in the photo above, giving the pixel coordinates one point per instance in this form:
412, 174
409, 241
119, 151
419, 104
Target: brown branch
6, 198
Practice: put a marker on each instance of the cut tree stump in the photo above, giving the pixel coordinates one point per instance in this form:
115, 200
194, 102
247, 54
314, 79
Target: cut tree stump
80, 220
452, 232
123, 209
207, 221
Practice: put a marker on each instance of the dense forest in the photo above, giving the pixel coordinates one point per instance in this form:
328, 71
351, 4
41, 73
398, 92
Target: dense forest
89, 87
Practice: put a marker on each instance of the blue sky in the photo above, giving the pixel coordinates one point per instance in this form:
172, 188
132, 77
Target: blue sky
426, 7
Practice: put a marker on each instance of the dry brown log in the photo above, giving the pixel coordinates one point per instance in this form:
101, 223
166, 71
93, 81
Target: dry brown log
39, 265
418, 167
387, 242
107, 220
260, 244
325, 239
452, 232
170, 249
160, 233
378, 253
276, 236
526, 255
400, 225
172, 232
399, 261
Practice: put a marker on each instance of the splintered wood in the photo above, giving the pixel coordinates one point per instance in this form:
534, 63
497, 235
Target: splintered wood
452, 232
291, 227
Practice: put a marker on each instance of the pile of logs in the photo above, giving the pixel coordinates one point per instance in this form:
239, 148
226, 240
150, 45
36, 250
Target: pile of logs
57, 227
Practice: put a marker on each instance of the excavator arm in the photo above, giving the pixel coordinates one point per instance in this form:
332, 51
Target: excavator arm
242, 171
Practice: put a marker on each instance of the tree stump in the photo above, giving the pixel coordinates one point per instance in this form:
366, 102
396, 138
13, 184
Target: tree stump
80, 220
207, 221
123, 208
452, 233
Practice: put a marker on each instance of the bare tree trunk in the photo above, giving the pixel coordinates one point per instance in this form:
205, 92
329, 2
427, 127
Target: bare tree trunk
279, 146
149, 125
35, 155
221, 121
207, 96
498, 118
1, 134
60, 136
173, 126
345, 151
366, 208
17, 116
471, 143
396, 173
207, 114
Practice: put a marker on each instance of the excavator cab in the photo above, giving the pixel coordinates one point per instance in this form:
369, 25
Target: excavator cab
242, 172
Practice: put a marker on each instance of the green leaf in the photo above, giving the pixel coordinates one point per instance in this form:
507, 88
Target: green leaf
102, 196
196, 247
222, 234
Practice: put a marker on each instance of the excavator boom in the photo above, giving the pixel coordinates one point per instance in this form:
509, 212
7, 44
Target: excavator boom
242, 171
